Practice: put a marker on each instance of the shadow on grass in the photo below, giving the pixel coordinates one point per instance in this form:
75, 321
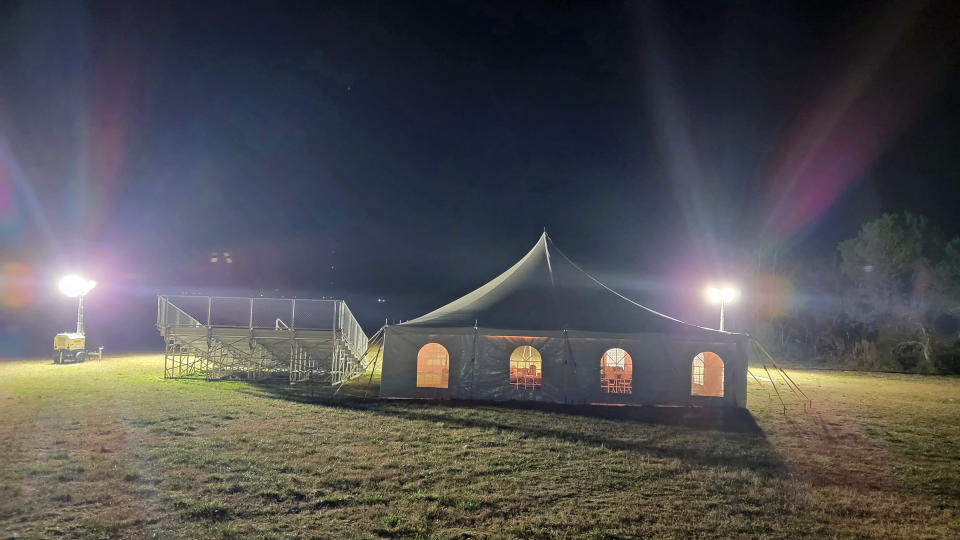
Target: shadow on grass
704, 418
707, 436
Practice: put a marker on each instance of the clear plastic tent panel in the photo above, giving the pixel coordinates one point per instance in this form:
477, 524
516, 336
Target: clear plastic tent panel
526, 368
433, 366
698, 370
616, 372
706, 375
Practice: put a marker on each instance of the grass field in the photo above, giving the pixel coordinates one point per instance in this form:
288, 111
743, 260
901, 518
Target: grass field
110, 449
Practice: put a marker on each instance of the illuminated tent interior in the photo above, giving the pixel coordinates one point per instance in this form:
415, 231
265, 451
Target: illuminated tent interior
545, 330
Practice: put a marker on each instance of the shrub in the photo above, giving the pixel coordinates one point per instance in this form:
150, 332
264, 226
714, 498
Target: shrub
948, 359
908, 355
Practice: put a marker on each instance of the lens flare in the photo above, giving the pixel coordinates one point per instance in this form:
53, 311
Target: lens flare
775, 296
18, 285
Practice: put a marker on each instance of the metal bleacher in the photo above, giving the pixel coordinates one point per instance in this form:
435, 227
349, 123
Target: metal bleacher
218, 337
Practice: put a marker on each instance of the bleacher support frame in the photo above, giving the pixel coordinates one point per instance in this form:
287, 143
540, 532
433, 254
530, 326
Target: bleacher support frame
205, 337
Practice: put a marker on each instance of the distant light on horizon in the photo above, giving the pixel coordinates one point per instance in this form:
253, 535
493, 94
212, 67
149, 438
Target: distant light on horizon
218, 256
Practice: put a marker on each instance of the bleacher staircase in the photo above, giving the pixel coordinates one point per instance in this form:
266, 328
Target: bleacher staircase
327, 345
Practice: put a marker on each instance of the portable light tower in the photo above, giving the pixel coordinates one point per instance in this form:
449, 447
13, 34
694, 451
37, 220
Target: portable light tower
72, 346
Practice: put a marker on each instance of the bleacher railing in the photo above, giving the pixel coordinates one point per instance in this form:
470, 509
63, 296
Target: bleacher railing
174, 311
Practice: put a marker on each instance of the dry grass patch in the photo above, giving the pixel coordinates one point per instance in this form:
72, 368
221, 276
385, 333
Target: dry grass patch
111, 449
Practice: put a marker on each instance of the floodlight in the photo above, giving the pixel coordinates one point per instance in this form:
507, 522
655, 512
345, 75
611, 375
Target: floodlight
728, 294
713, 294
721, 295
74, 285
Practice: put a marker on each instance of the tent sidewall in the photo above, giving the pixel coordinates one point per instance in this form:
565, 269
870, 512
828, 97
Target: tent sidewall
479, 365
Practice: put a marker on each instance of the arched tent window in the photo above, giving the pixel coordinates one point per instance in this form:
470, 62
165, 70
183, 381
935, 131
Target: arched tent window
706, 376
526, 368
698, 370
616, 372
433, 366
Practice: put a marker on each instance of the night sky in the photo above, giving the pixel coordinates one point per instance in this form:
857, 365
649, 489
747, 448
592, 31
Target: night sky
411, 151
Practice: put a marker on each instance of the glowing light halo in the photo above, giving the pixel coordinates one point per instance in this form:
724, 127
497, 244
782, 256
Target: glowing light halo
73, 285
713, 294
728, 294
723, 294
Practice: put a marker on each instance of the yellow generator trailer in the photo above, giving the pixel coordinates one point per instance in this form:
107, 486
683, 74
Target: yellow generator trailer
69, 347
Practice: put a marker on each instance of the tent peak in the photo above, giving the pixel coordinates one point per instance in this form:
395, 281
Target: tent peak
545, 290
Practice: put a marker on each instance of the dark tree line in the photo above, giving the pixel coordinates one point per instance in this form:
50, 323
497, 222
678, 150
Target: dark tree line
889, 299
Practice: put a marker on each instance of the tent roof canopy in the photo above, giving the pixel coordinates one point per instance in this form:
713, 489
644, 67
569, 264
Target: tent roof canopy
545, 290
